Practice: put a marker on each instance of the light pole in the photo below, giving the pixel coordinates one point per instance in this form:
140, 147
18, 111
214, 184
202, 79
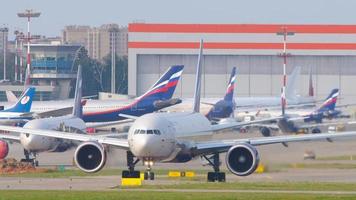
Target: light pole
113, 34
28, 14
4, 32
284, 33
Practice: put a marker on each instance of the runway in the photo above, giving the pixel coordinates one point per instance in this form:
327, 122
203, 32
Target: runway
270, 155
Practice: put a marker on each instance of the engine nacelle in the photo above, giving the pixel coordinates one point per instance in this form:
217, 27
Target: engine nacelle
265, 131
242, 159
4, 149
90, 157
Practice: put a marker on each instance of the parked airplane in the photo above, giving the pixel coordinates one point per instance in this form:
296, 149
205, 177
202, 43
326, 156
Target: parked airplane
173, 137
157, 97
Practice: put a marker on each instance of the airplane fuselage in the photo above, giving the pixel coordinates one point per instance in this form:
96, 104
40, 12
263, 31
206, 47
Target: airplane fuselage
36, 143
167, 136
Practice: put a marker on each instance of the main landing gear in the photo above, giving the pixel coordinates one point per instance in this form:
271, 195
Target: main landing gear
27, 158
214, 161
131, 173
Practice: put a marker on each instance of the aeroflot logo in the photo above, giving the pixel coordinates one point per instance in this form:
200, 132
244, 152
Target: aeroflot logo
25, 99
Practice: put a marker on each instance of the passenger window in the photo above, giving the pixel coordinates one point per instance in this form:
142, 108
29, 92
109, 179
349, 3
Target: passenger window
149, 131
157, 132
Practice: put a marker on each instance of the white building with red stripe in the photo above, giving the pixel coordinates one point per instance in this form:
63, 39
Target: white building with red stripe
330, 50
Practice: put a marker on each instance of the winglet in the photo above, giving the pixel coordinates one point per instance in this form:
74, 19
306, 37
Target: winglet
196, 105
78, 107
311, 88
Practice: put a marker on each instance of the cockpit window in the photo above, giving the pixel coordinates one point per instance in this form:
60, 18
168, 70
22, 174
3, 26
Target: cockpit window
141, 131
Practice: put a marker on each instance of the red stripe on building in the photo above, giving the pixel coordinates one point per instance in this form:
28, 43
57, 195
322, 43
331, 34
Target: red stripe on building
240, 28
221, 45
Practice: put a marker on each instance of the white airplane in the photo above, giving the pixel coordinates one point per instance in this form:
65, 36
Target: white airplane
172, 137
34, 144
152, 100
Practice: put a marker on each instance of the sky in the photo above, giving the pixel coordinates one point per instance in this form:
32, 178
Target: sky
58, 13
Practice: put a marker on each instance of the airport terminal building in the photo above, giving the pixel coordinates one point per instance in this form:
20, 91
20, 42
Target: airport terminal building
329, 50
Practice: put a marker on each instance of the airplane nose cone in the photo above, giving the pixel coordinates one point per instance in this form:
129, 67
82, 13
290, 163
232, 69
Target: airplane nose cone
144, 146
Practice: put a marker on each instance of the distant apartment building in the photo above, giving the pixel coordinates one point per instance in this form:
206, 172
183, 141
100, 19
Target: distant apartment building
98, 40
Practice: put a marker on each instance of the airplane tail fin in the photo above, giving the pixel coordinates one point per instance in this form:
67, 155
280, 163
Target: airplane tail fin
24, 103
311, 88
330, 101
196, 105
164, 88
292, 84
78, 107
27, 78
229, 96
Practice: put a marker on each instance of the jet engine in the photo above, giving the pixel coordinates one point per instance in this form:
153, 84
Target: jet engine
265, 131
90, 156
242, 159
4, 149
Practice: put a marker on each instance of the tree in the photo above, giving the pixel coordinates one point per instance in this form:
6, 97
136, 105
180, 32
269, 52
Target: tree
121, 74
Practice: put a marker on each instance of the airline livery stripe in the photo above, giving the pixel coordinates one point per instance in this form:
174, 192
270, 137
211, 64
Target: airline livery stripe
240, 28
226, 45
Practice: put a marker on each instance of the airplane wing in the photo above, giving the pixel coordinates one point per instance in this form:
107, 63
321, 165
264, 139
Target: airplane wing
208, 147
132, 117
55, 113
12, 138
120, 143
231, 125
105, 124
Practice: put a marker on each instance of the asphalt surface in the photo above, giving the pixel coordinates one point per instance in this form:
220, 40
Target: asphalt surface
269, 154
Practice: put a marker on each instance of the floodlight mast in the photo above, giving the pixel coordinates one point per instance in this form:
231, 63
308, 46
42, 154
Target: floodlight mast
284, 33
4, 31
28, 14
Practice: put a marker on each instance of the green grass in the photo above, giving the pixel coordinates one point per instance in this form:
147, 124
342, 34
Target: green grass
111, 195
294, 186
322, 166
341, 157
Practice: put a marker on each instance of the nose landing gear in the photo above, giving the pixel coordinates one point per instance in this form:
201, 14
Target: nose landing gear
149, 175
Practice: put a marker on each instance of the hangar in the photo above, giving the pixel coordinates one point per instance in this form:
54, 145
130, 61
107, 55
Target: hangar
255, 49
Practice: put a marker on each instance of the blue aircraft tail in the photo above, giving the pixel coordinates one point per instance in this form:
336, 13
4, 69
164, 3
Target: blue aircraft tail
24, 103
229, 96
330, 101
157, 97
164, 88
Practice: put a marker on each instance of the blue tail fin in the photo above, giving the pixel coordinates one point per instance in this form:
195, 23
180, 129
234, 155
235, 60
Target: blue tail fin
164, 88
330, 101
229, 96
24, 103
